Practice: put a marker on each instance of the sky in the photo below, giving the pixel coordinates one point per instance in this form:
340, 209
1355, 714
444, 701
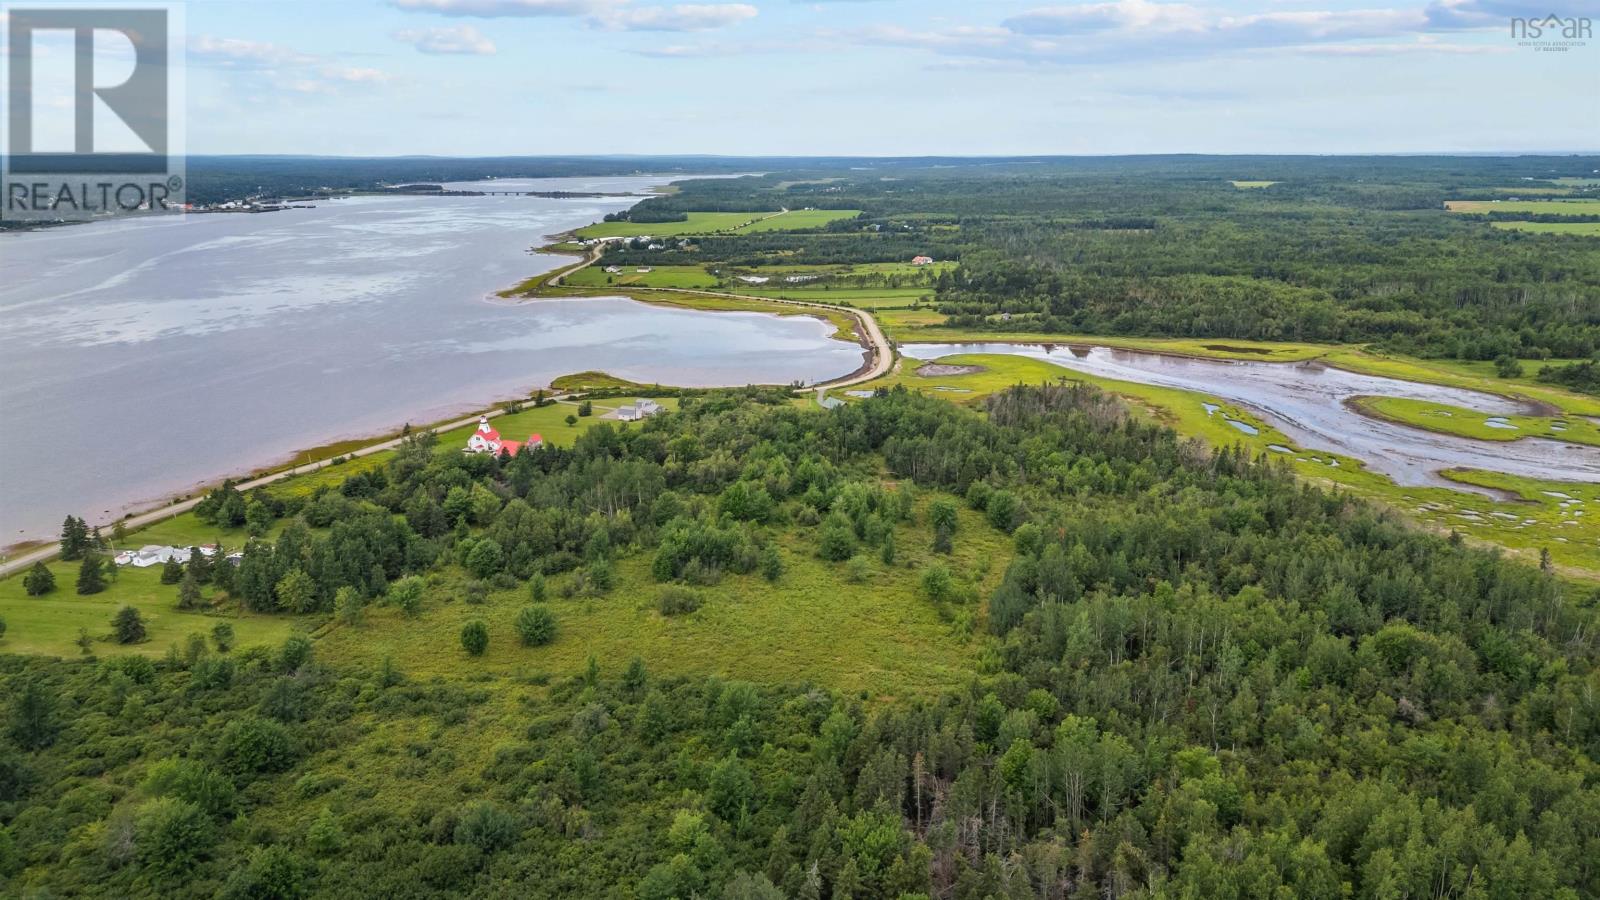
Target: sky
884, 77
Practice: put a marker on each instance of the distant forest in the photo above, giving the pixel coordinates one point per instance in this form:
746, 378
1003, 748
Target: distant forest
1355, 249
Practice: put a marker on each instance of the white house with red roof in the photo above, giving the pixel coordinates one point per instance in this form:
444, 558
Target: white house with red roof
487, 440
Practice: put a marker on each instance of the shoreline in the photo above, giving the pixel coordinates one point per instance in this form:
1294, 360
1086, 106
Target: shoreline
150, 511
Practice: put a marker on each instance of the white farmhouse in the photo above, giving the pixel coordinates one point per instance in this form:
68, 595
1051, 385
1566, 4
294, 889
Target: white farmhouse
487, 440
639, 410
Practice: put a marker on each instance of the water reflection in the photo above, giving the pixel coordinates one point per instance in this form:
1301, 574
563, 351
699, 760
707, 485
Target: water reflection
139, 358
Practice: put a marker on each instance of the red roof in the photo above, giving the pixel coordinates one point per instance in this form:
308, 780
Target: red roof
490, 435
510, 447
535, 439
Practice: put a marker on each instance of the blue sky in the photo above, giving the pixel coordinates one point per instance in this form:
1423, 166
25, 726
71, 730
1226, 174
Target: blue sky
881, 77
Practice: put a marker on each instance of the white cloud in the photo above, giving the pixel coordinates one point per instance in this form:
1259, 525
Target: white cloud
612, 15
1401, 49
681, 17
235, 53
355, 74
503, 8
1090, 17
1467, 14
263, 66
455, 39
1142, 30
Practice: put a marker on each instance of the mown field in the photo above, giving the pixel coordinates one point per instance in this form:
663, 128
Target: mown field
799, 220
720, 222
695, 223
871, 286
1576, 207
1582, 229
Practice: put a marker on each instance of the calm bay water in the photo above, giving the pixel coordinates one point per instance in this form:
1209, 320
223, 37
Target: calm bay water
141, 358
1306, 402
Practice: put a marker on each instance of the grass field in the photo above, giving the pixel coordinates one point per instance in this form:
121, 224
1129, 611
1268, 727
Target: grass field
834, 284
878, 636
695, 223
1536, 520
715, 222
49, 625
1469, 423
1580, 207
800, 220
1584, 229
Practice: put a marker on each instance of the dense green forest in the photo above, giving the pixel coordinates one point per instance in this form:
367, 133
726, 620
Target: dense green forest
1334, 250
1199, 678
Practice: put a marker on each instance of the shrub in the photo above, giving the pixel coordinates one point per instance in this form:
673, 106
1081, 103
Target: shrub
486, 827
91, 574
676, 601
349, 606
273, 873
191, 781
171, 836
325, 837
189, 596
222, 637
857, 570
475, 637
485, 558
407, 595
771, 563
128, 626
602, 576
1004, 511
937, 584
39, 580
251, 744
838, 540
536, 625
295, 653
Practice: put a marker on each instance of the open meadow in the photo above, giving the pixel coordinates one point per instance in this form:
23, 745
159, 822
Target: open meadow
866, 632
1575, 207
720, 223
1580, 229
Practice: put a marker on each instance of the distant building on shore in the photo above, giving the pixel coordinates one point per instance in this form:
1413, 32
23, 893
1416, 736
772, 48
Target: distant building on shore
487, 440
643, 409
922, 261
157, 555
